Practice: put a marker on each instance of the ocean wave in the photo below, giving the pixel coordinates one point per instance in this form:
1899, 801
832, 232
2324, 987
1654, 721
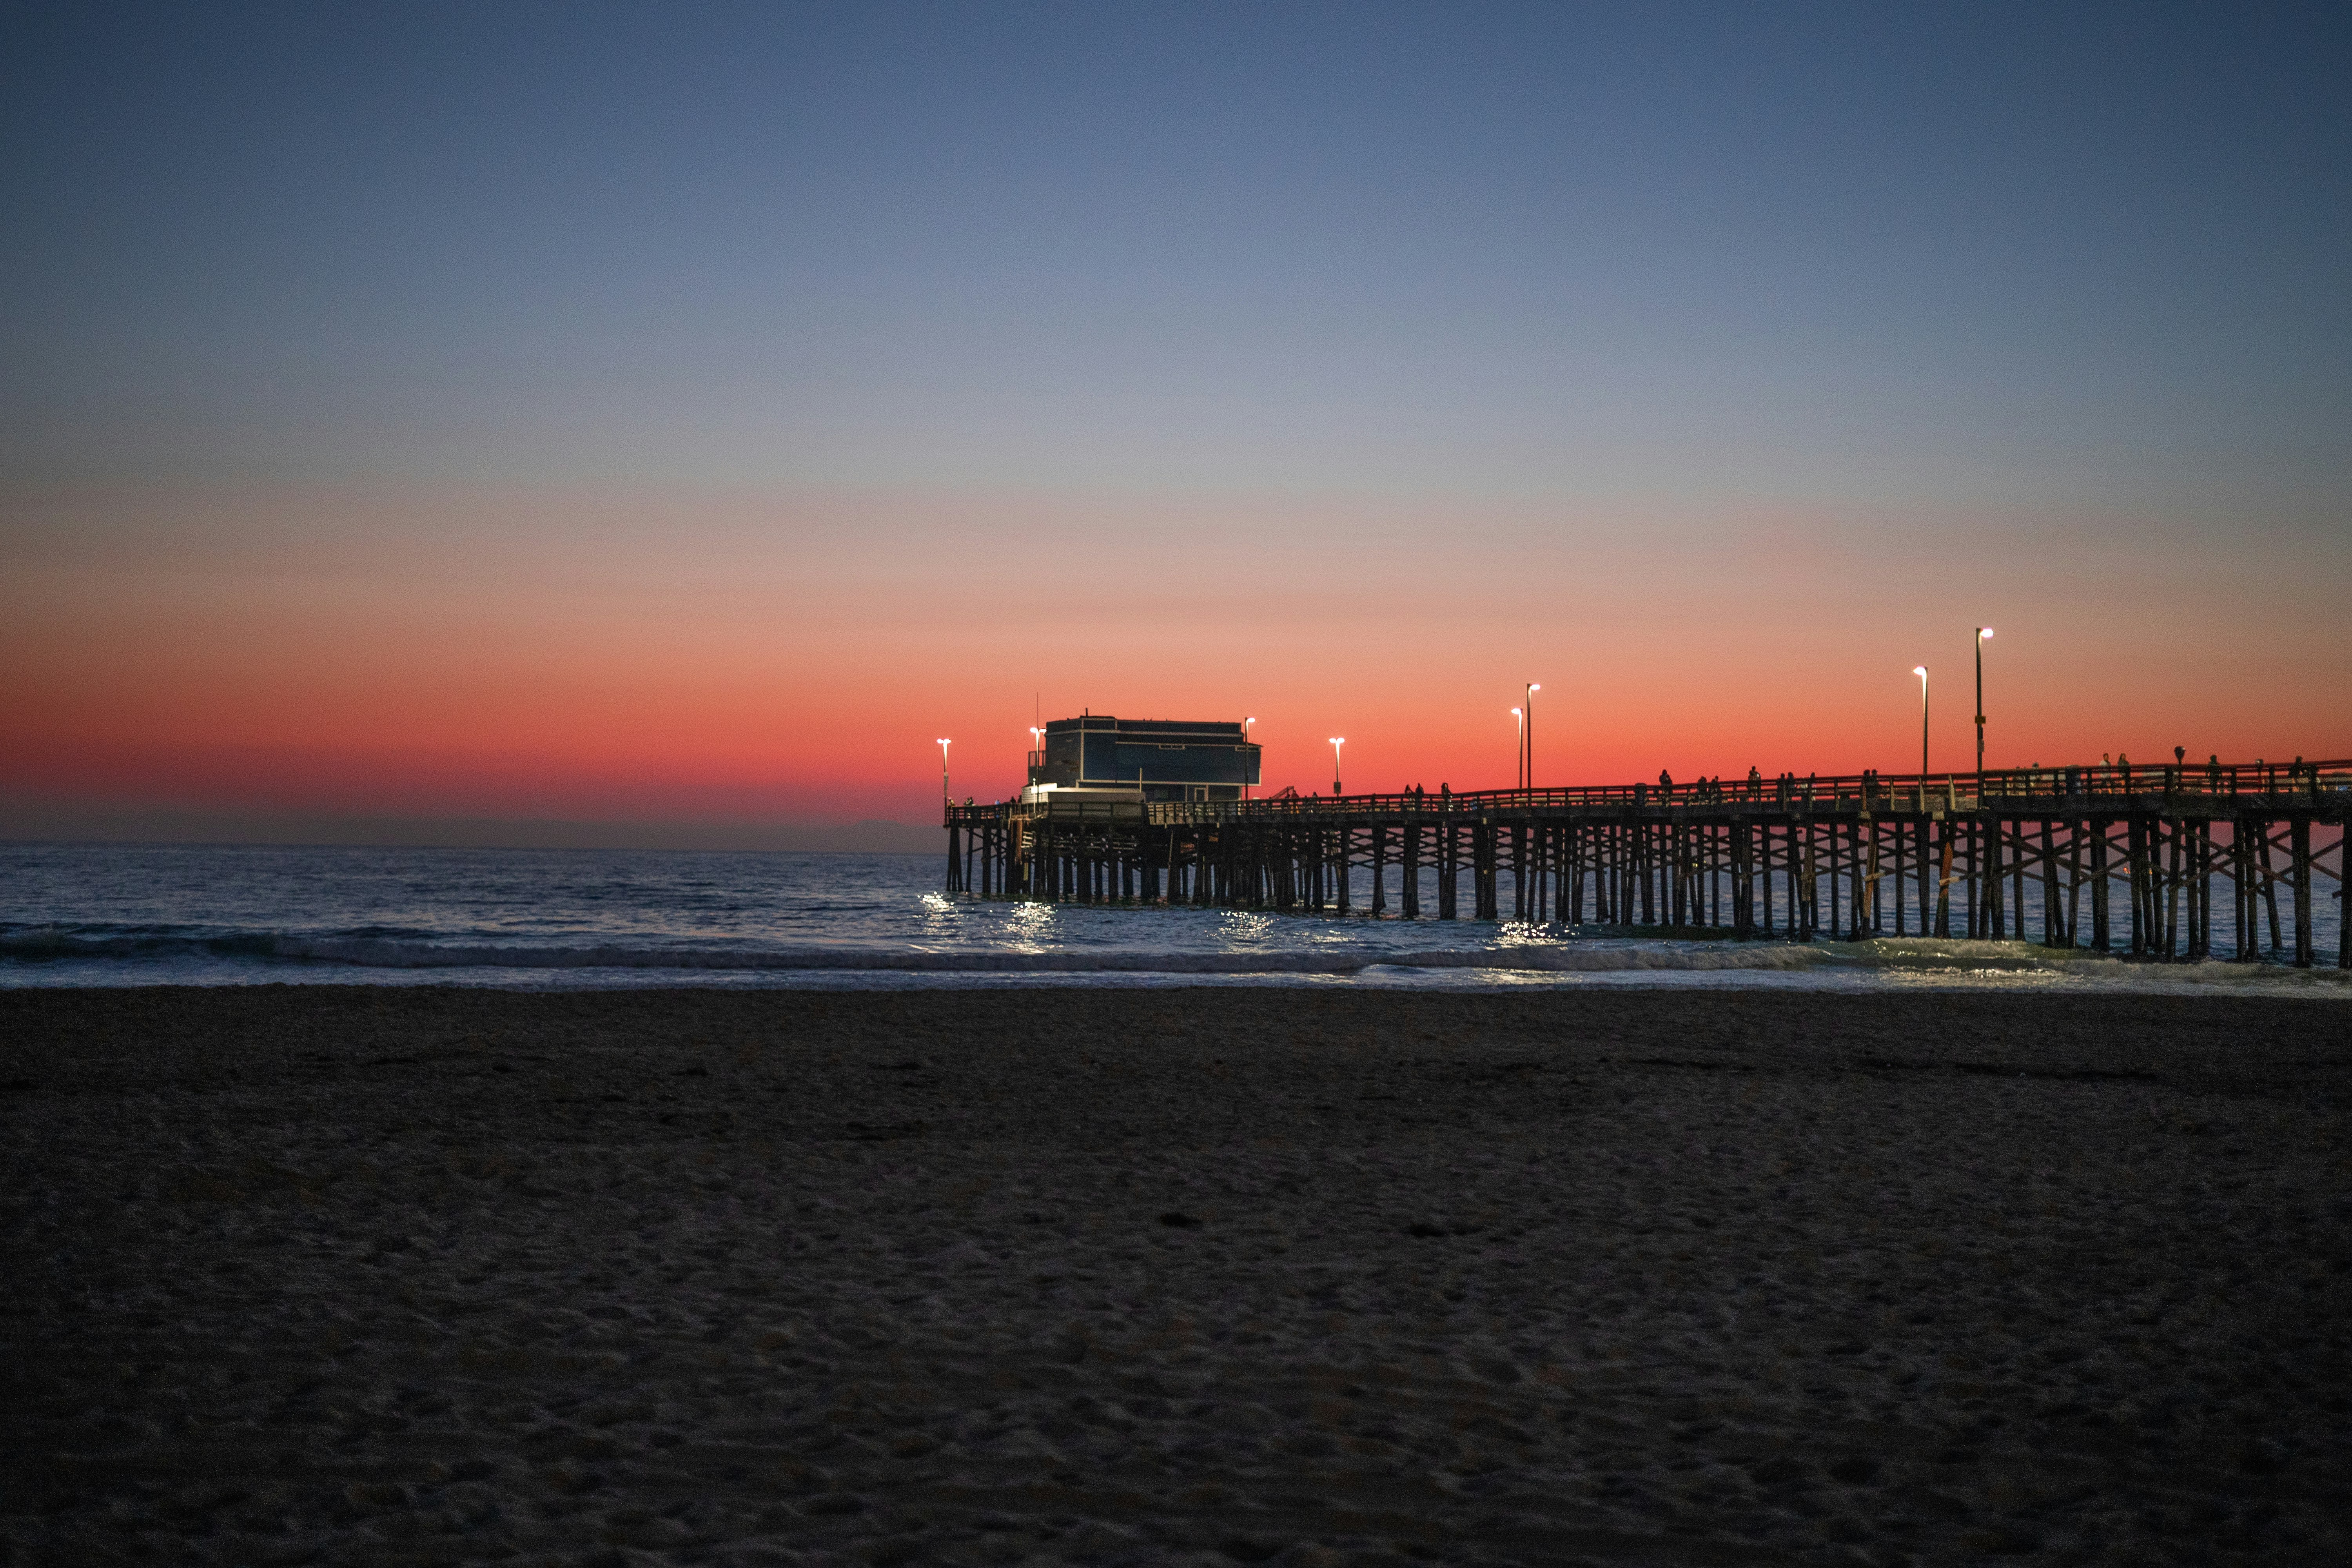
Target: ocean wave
50, 945
1916, 958
377, 952
1109, 962
1928, 957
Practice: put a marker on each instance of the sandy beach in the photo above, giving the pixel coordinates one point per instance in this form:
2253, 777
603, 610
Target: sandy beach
420, 1275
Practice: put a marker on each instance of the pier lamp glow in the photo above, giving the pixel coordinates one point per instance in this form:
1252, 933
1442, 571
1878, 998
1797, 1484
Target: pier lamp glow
943, 771
1921, 671
1528, 743
1983, 633
1337, 742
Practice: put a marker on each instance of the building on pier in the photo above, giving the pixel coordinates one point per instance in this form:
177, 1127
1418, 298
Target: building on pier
1096, 760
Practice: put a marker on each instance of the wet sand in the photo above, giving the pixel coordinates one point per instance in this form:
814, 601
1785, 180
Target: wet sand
359, 1275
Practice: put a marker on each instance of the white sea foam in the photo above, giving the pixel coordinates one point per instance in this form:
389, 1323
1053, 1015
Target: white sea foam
1563, 958
1901, 961
1962, 956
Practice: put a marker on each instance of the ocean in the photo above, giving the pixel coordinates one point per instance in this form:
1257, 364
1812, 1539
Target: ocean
546, 919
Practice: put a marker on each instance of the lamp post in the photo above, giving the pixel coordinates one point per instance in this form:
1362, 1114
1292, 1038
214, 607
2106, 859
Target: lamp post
1337, 742
1982, 633
1245, 741
1921, 671
1518, 748
943, 771
1530, 747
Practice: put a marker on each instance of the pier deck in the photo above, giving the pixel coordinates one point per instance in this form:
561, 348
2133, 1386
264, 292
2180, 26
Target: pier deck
2114, 858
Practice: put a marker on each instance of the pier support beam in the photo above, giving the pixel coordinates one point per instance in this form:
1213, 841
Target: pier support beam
1994, 925
2299, 846
1483, 878
2344, 895
2051, 934
2101, 940
1449, 867
1408, 863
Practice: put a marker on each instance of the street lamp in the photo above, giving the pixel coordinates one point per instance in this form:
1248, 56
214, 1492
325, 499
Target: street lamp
1337, 742
1982, 633
1245, 741
943, 771
1921, 671
1530, 748
1518, 748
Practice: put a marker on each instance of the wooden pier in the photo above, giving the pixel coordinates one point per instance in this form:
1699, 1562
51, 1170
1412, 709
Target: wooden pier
2113, 858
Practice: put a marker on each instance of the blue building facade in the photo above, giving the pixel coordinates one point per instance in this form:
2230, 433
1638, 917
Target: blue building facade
1147, 759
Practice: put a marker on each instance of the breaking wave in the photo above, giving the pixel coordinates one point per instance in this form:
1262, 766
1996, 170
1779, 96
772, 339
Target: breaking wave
1915, 960
377, 952
1928, 956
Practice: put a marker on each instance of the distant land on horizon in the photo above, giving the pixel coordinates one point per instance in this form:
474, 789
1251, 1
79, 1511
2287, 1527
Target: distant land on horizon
50, 821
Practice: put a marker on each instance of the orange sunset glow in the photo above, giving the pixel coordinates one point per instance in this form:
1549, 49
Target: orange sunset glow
793, 658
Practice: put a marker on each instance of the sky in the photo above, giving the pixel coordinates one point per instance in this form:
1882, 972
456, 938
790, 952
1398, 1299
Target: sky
681, 415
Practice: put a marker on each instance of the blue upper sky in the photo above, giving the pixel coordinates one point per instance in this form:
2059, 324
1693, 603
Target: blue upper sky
2026, 254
